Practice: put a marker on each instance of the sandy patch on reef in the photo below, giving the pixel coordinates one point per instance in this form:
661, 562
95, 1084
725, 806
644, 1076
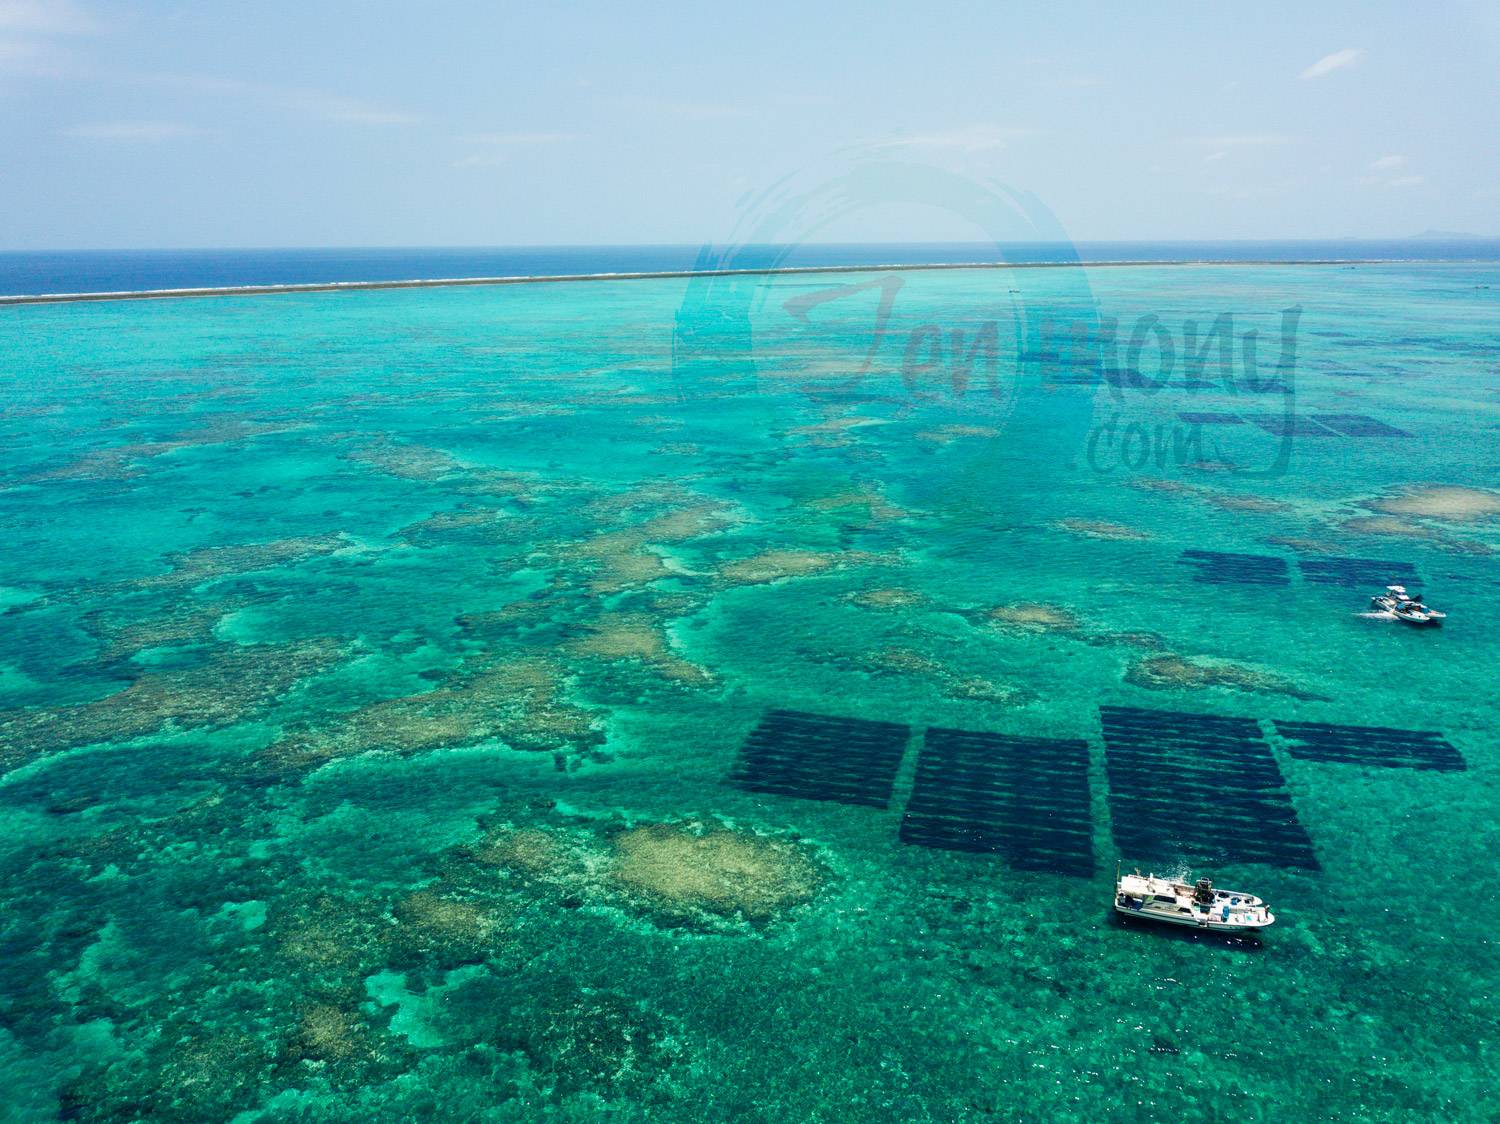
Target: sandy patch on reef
1225, 501
772, 565
124, 461
865, 499
181, 624
699, 873
1389, 525
1034, 617
518, 700
621, 559
1229, 501
194, 567
887, 597
947, 434
1451, 502
898, 659
408, 461
676, 867
636, 636
1101, 529
837, 425
1302, 545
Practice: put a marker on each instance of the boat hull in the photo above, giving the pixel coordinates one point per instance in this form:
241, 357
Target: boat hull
1196, 921
1427, 619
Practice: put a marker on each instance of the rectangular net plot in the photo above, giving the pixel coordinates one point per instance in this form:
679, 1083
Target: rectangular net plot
1292, 427
822, 757
1219, 567
1210, 419
1198, 788
1358, 425
1370, 745
1025, 799
1373, 572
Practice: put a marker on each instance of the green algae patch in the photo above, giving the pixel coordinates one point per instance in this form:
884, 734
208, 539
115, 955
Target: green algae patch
574, 1039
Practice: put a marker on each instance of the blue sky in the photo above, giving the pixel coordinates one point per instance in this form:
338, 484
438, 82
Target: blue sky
158, 124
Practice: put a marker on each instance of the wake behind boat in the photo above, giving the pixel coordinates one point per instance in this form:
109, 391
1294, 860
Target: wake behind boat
1201, 906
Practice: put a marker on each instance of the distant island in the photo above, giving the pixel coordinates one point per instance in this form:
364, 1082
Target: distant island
1452, 236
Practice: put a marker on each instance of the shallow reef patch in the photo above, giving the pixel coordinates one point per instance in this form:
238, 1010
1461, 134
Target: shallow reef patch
1168, 672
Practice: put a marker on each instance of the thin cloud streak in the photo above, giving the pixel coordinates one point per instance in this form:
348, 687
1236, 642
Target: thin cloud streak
1329, 63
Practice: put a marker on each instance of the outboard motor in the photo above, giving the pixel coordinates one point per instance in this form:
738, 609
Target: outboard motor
1204, 893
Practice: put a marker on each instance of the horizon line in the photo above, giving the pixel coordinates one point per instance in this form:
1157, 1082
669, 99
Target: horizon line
656, 275
1426, 236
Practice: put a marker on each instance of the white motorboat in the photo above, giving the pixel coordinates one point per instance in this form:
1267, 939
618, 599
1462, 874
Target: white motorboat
1404, 607
1201, 906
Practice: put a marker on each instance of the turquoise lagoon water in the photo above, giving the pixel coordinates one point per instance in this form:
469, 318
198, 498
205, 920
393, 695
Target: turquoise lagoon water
376, 669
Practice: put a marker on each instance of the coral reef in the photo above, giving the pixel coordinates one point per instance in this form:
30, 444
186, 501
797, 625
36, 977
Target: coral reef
232, 682
1101, 529
1171, 672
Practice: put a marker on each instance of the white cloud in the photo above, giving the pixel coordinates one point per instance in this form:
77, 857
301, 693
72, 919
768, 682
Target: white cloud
1329, 63
146, 132
347, 110
1385, 173
968, 138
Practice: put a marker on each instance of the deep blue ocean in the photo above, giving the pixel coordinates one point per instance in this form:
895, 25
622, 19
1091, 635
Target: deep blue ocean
117, 270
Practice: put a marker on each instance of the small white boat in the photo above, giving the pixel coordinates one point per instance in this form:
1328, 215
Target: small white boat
1200, 906
1401, 605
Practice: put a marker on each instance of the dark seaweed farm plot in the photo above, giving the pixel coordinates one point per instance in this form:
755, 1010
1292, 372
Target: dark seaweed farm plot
1221, 568
1024, 799
1198, 788
1359, 425
1370, 745
1279, 426
822, 757
1374, 573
